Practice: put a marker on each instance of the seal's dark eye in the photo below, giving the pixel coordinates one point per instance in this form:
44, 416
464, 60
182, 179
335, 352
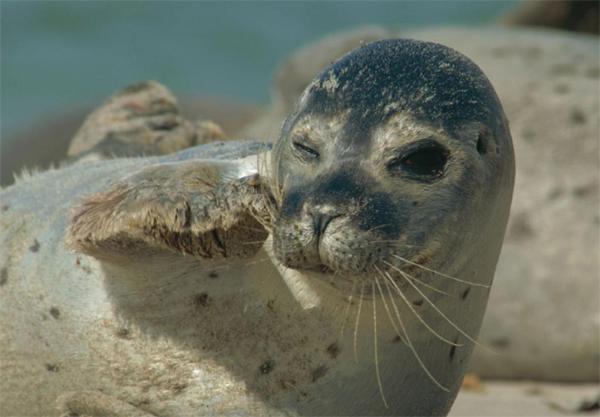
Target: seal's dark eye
424, 160
305, 151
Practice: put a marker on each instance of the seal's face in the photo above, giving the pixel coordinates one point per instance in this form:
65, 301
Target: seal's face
390, 151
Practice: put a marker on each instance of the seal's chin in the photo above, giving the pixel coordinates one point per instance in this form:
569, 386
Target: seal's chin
339, 254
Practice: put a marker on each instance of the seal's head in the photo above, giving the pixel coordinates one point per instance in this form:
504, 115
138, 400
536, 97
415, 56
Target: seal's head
399, 150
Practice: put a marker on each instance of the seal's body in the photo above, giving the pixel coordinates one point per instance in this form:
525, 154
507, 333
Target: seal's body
382, 207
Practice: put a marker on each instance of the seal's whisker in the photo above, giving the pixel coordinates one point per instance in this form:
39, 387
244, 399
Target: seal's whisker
360, 300
262, 160
475, 284
377, 227
253, 229
445, 317
387, 308
347, 309
431, 287
271, 212
263, 222
281, 187
375, 344
273, 197
412, 309
412, 347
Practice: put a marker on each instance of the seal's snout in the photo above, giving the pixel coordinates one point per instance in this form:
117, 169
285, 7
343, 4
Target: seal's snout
321, 217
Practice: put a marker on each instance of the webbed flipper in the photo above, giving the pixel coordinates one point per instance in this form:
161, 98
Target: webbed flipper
205, 208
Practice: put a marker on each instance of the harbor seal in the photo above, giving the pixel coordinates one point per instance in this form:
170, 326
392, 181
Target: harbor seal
344, 273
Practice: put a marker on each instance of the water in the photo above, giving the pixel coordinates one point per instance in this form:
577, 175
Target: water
58, 55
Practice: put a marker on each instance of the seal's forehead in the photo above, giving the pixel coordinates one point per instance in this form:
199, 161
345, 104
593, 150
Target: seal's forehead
433, 83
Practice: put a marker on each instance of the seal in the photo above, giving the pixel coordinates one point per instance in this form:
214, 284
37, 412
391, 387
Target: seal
344, 273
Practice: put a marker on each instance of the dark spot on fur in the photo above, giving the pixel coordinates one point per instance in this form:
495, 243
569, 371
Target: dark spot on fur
3, 277
465, 293
319, 372
418, 302
333, 350
179, 387
500, 342
202, 300
123, 333
55, 312
266, 367
271, 305
52, 367
453, 349
577, 117
482, 143
85, 268
213, 274
415, 203
35, 246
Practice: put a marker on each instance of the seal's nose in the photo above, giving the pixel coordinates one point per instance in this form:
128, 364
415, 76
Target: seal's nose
322, 216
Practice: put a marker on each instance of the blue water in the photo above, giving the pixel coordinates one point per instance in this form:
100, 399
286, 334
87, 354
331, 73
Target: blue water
58, 55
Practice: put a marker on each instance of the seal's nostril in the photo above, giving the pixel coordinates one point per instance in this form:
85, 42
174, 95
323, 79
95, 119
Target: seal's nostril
321, 219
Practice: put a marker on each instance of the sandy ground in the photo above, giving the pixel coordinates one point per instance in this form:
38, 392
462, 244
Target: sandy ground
509, 398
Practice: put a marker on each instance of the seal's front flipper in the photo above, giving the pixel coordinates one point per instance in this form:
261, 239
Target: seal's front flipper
142, 119
206, 208
96, 404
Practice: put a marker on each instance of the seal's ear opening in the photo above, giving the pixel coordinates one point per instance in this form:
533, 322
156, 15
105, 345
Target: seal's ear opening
193, 208
482, 143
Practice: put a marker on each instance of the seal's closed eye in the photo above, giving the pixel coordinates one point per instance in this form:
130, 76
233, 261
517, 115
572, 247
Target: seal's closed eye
423, 160
306, 151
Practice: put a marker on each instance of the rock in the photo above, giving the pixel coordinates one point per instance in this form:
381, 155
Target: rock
526, 399
574, 15
543, 315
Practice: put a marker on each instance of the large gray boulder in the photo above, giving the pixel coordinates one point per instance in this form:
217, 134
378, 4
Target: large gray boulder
543, 319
